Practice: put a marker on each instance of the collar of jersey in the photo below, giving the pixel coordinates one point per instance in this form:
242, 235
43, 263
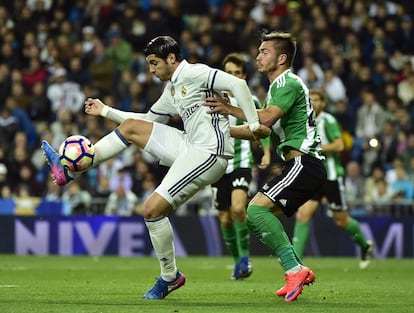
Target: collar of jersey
178, 70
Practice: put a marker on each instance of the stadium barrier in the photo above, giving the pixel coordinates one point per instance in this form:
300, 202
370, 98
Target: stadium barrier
194, 235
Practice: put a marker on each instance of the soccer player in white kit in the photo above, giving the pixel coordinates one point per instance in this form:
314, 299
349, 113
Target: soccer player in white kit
196, 156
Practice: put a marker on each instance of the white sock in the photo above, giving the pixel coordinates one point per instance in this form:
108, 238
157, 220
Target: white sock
162, 238
295, 269
108, 147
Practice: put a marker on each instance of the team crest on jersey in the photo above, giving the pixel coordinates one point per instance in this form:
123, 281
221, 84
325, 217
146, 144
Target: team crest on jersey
183, 91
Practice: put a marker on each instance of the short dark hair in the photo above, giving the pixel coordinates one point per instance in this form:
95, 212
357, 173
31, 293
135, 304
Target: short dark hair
237, 59
162, 46
285, 43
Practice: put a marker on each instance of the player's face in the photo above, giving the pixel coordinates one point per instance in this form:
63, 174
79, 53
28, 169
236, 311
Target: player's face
266, 60
160, 67
318, 103
234, 70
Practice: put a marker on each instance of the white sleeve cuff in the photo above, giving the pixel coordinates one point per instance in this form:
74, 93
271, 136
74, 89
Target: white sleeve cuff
104, 111
254, 126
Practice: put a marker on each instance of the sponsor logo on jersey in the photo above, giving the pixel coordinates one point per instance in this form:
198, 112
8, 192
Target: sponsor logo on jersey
240, 182
188, 112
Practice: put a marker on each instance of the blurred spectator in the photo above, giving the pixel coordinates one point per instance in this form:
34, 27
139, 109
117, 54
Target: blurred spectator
311, 73
3, 176
77, 73
369, 124
371, 182
33, 74
406, 89
75, 200
381, 195
40, 111
403, 120
401, 187
334, 87
354, 185
26, 182
408, 153
388, 145
64, 94
25, 202
102, 69
405, 36
8, 126
121, 202
119, 49
391, 173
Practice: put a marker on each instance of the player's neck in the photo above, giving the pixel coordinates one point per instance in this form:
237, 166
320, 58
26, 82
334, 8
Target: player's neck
273, 75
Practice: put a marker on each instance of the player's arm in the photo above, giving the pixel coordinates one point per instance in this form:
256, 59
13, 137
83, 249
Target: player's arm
98, 108
337, 145
244, 132
240, 90
267, 156
221, 105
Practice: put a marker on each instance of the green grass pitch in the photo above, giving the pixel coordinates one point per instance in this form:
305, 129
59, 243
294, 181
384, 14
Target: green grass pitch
112, 284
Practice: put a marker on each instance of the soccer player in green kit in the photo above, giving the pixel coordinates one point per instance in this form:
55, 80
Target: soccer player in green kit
289, 113
331, 145
231, 191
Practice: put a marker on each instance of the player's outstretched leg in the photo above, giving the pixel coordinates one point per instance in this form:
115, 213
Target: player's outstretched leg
60, 173
162, 288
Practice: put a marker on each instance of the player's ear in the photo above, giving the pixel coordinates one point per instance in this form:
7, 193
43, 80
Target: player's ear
171, 58
282, 59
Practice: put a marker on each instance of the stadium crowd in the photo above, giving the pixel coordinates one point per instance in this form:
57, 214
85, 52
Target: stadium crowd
55, 54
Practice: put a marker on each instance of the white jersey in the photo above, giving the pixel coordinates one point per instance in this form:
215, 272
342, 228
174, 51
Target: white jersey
184, 95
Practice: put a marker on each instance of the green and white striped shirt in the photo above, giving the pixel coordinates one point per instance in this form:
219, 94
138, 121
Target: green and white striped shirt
243, 155
296, 129
329, 130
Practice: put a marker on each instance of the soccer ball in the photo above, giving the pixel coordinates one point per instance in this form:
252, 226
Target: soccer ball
77, 153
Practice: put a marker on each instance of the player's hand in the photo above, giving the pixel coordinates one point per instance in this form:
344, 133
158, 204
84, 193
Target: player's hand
265, 162
93, 106
218, 104
262, 132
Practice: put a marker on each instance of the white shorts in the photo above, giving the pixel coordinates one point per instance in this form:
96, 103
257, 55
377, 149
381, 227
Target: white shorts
191, 168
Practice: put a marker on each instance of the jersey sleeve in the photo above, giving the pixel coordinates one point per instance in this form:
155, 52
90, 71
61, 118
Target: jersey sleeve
223, 81
161, 111
332, 129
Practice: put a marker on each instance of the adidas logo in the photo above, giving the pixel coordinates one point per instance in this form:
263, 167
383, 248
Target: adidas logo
283, 202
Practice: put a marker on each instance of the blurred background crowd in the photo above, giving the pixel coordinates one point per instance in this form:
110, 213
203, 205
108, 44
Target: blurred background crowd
54, 54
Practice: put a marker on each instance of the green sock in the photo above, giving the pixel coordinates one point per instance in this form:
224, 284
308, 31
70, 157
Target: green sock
354, 230
270, 231
300, 237
243, 237
230, 240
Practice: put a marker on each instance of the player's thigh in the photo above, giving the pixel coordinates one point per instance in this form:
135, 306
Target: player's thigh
221, 191
192, 170
166, 143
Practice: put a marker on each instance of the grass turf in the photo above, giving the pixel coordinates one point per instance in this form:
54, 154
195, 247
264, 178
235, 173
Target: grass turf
113, 284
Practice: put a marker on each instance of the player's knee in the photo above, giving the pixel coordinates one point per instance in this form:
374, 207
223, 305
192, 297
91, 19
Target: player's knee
225, 219
238, 213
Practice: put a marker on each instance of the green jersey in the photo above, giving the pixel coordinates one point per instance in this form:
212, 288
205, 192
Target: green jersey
243, 155
329, 130
296, 129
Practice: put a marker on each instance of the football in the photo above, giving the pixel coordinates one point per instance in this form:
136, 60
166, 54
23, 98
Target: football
77, 153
